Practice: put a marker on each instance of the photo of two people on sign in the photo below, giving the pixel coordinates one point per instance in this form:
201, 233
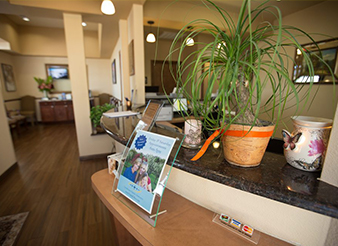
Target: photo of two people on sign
143, 170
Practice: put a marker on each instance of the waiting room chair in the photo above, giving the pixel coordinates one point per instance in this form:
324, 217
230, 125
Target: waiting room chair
28, 108
104, 98
15, 120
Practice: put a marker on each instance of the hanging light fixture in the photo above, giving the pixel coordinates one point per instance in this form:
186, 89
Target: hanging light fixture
190, 41
107, 7
151, 37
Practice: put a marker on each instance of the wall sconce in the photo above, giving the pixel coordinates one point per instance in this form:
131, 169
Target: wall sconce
190, 41
151, 37
107, 7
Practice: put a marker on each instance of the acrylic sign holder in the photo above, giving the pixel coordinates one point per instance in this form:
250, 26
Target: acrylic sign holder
237, 227
159, 190
146, 123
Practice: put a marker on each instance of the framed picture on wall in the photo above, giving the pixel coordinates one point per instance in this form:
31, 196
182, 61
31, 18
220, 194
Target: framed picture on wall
7, 71
131, 58
113, 71
328, 51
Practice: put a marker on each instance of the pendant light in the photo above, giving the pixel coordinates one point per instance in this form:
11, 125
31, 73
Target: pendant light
107, 7
190, 41
151, 37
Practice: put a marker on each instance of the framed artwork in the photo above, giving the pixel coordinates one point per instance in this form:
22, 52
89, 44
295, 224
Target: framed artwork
328, 51
7, 71
113, 71
131, 58
57, 71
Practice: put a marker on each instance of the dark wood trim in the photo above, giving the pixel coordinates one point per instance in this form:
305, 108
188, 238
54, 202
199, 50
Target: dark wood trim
91, 157
8, 171
12, 100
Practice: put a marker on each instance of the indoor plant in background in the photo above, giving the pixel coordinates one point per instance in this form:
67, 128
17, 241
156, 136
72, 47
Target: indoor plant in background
243, 61
96, 114
45, 86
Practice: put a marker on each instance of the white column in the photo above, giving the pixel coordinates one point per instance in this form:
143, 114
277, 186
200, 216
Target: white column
88, 145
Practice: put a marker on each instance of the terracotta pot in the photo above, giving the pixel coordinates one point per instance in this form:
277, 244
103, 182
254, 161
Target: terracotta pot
245, 149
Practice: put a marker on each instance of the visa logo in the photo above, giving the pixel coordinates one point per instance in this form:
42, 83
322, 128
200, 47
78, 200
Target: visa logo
236, 223
248, 230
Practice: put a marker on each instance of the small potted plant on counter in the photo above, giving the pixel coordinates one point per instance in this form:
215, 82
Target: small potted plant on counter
96, 114
244, 62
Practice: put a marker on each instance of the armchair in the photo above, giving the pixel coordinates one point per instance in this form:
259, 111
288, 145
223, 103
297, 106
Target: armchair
28, 108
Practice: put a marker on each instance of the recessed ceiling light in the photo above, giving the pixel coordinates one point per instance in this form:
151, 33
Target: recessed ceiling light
25, 18
84, 23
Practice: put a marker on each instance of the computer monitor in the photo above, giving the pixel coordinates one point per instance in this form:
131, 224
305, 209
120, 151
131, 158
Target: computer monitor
180, 104
152, 89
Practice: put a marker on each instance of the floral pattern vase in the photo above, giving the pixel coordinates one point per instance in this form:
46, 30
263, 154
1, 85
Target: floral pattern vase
305, 148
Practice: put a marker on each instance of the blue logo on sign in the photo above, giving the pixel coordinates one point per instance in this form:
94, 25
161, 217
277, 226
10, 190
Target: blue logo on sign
140, 142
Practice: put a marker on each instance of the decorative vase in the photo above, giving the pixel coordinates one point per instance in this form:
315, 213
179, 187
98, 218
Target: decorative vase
45, 95
305, 147
193, 132
244, 147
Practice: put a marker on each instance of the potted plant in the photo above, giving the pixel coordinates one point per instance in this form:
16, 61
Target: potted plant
243, 60
45, 86
96, 114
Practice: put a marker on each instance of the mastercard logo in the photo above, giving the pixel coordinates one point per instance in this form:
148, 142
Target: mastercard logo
248, 230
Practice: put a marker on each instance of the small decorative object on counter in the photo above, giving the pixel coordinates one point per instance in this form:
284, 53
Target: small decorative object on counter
193, 131
237, 227
305, 147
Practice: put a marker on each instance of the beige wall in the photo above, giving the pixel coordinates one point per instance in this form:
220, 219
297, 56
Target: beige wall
135, 32
123, 41
117, 88
99, 76
9, 32
7, 154
43, 41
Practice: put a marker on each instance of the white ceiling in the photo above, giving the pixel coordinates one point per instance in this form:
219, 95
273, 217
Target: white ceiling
50, 13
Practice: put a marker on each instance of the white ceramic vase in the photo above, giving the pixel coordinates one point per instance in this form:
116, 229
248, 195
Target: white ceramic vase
305, 148
45, 95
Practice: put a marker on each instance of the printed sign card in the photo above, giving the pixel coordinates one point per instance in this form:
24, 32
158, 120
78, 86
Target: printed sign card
143, 168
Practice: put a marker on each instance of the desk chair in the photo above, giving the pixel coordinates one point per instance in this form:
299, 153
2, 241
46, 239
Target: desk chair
28, 108
104, 98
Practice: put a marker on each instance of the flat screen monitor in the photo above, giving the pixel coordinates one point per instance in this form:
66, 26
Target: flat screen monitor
180, 104
58, 71
152, 89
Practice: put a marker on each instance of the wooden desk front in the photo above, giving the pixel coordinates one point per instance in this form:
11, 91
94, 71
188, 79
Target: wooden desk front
185, 223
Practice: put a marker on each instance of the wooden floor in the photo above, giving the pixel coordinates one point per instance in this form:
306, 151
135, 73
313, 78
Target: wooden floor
55, 188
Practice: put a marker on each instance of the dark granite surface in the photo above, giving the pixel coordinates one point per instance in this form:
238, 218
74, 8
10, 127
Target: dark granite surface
273, 178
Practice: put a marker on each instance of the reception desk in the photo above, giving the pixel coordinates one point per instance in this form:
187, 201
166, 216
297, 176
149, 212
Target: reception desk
273, 197
184, 223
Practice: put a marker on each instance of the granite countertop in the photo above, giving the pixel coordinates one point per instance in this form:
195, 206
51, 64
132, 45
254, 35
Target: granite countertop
273, 178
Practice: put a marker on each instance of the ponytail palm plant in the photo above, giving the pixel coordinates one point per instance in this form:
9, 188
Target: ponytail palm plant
243, 59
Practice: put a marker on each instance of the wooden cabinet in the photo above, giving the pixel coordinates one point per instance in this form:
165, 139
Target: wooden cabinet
56, 111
